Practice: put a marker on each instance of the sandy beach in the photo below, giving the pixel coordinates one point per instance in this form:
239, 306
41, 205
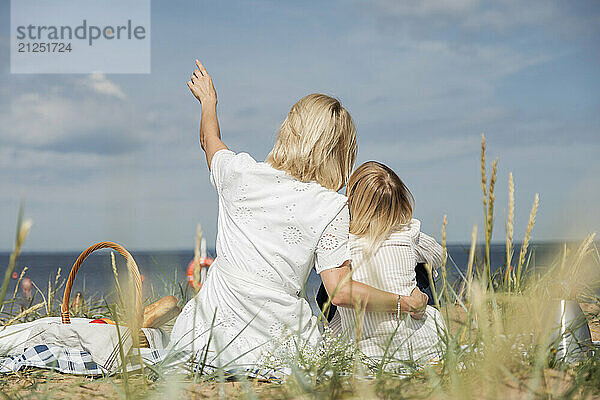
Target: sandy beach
36, 383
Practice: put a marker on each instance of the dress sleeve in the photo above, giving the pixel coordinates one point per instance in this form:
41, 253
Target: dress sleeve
332, 249
428, 250
219, 166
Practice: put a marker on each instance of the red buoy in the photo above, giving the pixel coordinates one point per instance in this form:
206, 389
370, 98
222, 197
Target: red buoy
205, 262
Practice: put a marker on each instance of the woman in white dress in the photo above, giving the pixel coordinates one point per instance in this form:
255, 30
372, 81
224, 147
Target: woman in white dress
277, 220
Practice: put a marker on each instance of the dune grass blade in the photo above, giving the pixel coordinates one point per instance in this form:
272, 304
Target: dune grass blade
444, 261
436, 300
24, 313
14, 296
525, 244
43, 297
116, 276
484, 191
197, 254
122, 355
23, 228
490, 221
470, 262
509, 225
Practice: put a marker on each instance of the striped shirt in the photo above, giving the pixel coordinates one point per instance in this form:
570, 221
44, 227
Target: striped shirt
392, 269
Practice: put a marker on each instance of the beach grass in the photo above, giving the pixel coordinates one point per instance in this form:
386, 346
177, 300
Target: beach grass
501, 340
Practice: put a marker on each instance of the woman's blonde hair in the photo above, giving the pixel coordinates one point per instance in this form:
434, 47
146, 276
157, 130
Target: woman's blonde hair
316, 142
379, 203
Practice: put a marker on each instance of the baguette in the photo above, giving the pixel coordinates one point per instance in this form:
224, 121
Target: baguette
160, 312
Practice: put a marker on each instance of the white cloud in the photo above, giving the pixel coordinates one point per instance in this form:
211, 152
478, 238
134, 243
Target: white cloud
100, 84
63, 116
425, 8
473, 16
509, 15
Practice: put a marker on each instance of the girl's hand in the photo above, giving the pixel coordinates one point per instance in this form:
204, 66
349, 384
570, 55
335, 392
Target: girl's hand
202, 87
417, 303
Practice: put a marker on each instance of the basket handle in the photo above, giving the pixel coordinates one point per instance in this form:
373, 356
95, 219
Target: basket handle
133, 271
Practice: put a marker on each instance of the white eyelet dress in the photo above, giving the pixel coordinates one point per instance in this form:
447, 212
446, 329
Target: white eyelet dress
272, 229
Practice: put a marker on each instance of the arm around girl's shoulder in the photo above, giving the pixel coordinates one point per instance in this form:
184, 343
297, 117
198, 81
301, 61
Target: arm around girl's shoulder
427, 249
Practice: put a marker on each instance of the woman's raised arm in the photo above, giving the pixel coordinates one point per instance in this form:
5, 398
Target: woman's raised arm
201, 85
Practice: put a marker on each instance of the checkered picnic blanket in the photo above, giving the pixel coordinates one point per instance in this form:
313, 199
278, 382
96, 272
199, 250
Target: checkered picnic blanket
61, 359
77, 362
72, 361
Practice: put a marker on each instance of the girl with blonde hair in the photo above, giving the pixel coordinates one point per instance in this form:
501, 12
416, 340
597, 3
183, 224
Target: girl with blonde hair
385, 245
277, 220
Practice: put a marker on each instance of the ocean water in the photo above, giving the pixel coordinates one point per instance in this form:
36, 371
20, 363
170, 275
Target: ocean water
164, 270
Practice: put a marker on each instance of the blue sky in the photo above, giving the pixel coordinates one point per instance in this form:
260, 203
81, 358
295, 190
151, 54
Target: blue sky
115, 157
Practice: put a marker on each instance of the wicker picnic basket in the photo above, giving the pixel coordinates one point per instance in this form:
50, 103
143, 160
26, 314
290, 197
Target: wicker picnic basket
134, 274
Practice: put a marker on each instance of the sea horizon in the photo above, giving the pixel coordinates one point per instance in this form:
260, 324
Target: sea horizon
165, 270
212, 250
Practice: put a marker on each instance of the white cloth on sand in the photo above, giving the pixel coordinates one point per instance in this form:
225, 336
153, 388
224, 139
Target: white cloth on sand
101, 341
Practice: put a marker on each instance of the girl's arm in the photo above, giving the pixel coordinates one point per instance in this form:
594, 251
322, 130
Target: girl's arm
202, 87
345, 292
428, 250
